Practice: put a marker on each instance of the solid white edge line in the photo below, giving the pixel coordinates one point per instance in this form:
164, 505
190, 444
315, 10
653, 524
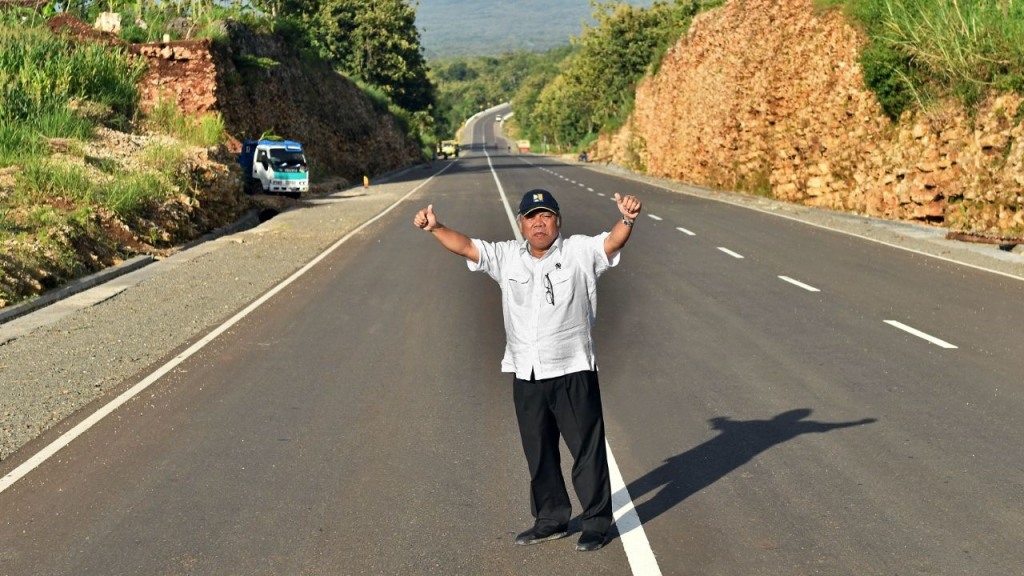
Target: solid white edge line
627, 521
800, 284
919, 334
631, 530
731, 253
685, 231
66, 438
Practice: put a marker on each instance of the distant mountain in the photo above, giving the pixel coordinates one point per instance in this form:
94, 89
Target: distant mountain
491, 27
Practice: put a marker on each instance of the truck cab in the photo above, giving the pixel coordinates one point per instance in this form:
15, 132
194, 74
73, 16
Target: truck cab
274, 167
448, 149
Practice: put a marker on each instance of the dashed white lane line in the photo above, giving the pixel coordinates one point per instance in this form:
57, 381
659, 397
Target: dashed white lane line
590, 189
654, 217
807, 287
937, 341
919, 334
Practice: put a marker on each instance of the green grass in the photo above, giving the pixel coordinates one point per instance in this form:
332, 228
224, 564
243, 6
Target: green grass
52, 89
920, 50
40, 73
41, 181
128, 195
162, 157
207, 130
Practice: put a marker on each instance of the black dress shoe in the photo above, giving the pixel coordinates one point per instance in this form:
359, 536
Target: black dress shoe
590, 541
537, 535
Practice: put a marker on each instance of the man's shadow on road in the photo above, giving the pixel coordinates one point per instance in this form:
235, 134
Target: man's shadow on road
739, 442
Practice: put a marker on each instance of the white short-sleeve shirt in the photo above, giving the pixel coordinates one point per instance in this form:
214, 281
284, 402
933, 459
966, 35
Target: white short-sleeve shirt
549, 304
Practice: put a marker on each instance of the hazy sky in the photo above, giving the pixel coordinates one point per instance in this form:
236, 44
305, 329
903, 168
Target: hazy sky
474, 27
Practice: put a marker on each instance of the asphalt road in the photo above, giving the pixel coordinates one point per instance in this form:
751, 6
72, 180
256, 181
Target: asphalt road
780, 398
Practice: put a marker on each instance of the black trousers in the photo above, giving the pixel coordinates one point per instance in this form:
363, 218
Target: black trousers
569, 406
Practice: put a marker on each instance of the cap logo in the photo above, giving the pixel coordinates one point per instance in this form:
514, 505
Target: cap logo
538, 197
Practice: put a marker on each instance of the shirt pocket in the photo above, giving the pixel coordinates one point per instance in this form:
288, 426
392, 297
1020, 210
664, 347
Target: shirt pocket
519, 289
561, 286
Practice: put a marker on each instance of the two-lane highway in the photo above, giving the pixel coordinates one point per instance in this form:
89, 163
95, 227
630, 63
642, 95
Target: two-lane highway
767, 407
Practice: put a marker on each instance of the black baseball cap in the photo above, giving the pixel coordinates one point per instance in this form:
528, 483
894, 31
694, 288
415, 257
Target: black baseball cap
537, 199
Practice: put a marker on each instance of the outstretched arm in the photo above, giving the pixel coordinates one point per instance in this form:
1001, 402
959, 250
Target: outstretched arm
455, 241
629, 207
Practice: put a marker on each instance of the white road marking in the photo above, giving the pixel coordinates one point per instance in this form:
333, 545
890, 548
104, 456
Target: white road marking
919, 334
631, 530
685, 231
653, 217
807, 287
600, 194
48, 451
731, 253
590, 189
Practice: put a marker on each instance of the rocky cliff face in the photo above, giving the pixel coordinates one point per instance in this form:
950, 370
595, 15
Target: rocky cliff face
767, 96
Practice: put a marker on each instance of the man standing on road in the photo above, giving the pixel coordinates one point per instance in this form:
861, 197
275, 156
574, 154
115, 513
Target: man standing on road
549, 300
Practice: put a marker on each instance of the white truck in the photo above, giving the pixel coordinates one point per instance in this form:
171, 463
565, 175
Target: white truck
274, 167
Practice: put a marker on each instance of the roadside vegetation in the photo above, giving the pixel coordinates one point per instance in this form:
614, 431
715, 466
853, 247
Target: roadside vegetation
922, 50
55, 95
66, 204
71, 202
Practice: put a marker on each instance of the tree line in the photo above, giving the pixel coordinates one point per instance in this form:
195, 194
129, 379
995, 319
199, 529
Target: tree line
567, 96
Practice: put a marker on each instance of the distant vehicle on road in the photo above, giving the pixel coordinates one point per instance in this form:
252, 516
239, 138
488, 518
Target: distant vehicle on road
497, 118
448, 149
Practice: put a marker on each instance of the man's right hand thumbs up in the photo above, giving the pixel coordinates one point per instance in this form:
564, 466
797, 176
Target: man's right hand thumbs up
425, 219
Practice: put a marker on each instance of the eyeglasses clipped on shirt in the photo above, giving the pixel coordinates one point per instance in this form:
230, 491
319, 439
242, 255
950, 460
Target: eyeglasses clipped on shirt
549, 290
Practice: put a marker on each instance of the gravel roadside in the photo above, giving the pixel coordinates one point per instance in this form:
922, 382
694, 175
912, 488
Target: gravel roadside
100, 342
